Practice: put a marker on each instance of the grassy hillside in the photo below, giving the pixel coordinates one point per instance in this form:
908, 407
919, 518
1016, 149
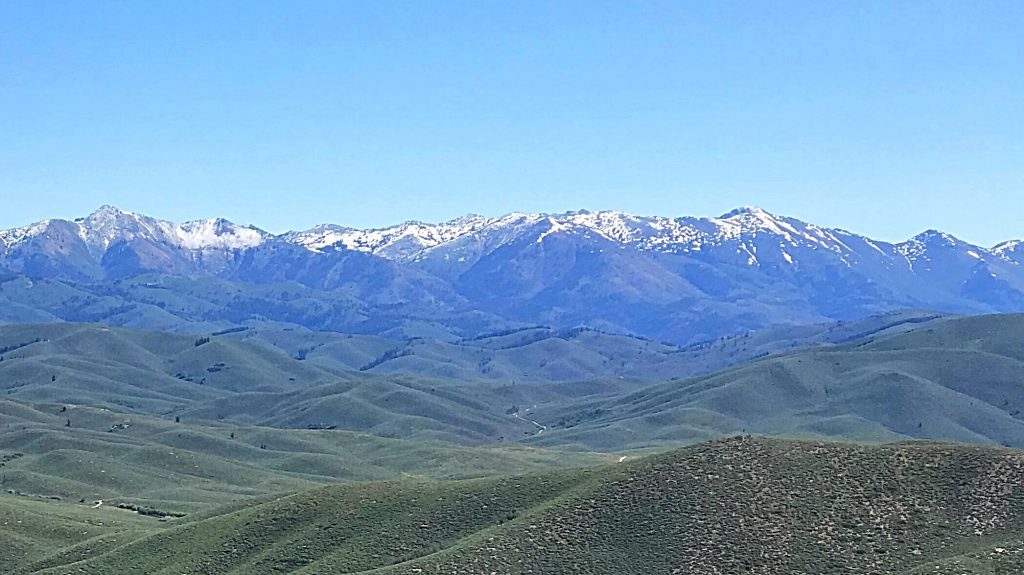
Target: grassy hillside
253, 382
32, 530
190, 465
906, 375
741, 505
541, 354
266, 356
959, 379
140, 370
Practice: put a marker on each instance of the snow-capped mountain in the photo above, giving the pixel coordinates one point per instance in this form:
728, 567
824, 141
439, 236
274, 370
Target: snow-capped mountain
108, 226
680, 278
113, 238
412, 241
1012, 250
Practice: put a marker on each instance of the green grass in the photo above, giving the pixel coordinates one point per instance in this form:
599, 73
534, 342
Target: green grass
741, 505
457, 392
958, 380
908, 376
541, 354
32, 530
1003, 558
192, 465
248, 382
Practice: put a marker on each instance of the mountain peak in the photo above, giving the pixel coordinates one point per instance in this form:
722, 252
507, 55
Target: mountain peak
1010, 246
109, 224
218, 233
932, 236
745, 211
106, 212
108, 208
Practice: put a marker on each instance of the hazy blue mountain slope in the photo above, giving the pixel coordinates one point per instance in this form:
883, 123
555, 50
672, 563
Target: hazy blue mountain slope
683, 280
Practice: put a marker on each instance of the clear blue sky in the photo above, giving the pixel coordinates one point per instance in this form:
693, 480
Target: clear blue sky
885, 118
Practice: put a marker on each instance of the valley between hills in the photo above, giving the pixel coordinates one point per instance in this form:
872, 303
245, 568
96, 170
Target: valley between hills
586, 392
882, 445
477, 288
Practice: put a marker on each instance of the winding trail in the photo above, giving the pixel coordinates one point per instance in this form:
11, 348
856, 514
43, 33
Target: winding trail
540, 428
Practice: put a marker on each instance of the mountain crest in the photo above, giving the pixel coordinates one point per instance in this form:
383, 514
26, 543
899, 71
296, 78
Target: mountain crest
107, 211
672, 277
746, 231
746, 211
1008, 247
933, 236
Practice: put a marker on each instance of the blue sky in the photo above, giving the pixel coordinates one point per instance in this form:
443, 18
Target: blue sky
885, 118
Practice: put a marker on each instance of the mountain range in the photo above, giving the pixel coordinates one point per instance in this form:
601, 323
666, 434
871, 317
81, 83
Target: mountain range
681, 280
498, 395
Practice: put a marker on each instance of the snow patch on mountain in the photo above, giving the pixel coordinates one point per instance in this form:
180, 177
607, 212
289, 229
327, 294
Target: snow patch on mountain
912, 249
109, 225
741, 232
926, 244
218, 234
414, 240
15, 236
415, 236
1008, 247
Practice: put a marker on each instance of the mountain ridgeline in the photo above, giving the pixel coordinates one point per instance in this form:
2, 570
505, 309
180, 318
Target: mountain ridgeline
576, 393
681, 280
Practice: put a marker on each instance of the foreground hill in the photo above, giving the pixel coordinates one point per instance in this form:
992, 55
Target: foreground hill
682, 280
959, 379
741, 505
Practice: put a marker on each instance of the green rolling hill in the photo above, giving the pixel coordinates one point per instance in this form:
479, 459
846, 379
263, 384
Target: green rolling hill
898, 376
959, 380
269, 449
218, 378
32, 530
740, 505
465, 392
542, 354
140, 370
83, 453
